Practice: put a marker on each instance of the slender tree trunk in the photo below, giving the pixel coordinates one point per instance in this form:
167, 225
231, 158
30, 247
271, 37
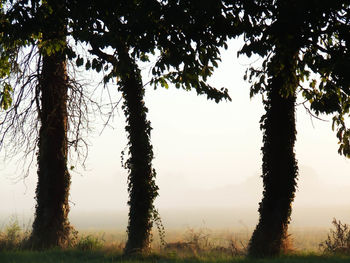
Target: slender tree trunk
51, 227
141, 185
279, 167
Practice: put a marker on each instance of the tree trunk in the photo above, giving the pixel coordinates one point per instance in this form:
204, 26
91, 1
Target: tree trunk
51, 227
141, 185
279, 167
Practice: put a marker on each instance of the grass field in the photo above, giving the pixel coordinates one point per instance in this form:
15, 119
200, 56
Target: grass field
76, 256
191, 245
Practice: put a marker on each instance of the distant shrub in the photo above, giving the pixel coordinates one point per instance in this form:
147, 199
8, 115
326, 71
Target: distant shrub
338, 241
13, 237
88, 243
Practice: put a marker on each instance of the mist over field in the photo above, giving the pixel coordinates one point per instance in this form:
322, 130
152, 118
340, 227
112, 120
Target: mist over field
232, 206
208, 164
212, 218
222, 212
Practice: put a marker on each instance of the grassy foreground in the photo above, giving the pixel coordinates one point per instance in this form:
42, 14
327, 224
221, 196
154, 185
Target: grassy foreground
196, 246
76, 256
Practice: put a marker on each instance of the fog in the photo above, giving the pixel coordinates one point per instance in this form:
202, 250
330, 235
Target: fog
235, 206
208, 163
227, 207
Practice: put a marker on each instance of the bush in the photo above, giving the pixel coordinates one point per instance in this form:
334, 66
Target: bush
13, 237
338, 241
89, 243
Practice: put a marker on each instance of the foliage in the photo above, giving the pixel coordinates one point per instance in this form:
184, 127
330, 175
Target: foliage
321, 34
279, 173
7, 66
33, 48
338, 240
189, 51
160, 227
187, 35
142, 187
14, 237
6, 96
89, 243
278, 81
295, 40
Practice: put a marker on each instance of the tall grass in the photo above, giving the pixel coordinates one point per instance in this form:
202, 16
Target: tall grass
195, 245
13, 236
338, 240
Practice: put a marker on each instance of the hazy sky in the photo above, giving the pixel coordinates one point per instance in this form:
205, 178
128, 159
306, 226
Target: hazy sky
203, 150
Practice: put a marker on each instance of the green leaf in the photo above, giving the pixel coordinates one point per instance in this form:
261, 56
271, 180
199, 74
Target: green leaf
6, 98
79, 61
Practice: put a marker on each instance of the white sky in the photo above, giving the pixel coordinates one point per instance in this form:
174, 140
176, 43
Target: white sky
202, 150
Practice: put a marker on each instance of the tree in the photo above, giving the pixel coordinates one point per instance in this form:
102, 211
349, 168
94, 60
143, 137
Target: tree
187, 36
50, 226
286, 34
189, 59
52, 191
279, 169
41, 26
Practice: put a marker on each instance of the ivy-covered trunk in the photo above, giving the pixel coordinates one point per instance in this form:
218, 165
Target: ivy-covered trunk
279, 167
51, 227
141, 180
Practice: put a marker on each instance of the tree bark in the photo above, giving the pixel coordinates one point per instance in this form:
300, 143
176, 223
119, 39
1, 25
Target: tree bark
280, 169
141, 186
51, 227
279, 176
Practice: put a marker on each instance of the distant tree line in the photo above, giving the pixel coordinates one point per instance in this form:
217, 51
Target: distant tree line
304, 46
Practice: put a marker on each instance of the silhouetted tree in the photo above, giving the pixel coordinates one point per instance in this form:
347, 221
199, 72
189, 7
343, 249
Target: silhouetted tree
51, 227
41, 27
279, 167
286, 33
188, 36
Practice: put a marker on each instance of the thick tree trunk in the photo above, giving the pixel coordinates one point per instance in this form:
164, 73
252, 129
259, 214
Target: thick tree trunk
141, 186
279, 168
51, 227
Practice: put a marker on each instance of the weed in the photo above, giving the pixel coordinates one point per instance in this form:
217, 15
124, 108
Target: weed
88, 243
338, 241
200, 243
200, 239
13, 237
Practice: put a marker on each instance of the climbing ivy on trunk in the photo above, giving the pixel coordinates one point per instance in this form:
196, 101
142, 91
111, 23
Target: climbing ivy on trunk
141, 179
51, 227
279, 169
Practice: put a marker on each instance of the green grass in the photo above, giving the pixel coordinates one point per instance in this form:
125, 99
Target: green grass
197, 246
78, 256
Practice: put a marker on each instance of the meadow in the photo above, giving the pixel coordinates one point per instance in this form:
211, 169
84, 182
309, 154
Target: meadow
76, 256
180, 245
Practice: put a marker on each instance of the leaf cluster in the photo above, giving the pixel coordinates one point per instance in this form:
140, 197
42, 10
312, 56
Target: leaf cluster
23, 45
187, 36
318, 31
